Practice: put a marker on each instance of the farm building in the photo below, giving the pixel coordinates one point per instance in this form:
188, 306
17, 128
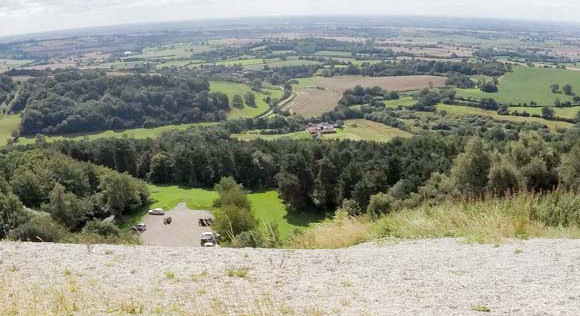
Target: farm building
316, 129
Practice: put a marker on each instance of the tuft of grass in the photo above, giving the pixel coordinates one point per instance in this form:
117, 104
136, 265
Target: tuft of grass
341, 232
240, 273
480, 308
169, 275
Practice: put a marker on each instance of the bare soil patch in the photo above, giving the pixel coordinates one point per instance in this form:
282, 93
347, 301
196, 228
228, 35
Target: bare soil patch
323, 97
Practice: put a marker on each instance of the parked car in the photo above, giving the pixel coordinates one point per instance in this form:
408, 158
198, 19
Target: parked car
210, 239
157, 211
140, 227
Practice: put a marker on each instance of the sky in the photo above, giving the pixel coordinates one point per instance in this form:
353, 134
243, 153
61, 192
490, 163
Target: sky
30, 16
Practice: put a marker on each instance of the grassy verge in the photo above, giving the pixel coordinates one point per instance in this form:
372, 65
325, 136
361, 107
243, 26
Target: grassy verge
491, 220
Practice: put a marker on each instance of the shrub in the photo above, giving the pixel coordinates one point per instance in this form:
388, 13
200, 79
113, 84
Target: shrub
102, 228
39, 229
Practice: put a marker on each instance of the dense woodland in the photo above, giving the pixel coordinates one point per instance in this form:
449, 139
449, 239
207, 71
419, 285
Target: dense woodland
83, 101
45, 195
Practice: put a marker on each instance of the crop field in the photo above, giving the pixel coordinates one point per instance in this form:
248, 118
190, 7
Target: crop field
232, 88
529, 84
267, 206
324, 93
8, 123
466, 110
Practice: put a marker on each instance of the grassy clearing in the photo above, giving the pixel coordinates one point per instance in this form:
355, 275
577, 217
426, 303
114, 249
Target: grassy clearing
488, 221
268, 207
529, 84
232, 88
466, 110
8, 123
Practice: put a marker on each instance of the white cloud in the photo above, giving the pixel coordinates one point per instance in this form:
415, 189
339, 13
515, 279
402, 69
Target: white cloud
24, 16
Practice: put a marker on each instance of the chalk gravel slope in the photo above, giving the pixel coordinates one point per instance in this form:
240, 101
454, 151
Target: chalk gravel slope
426, 277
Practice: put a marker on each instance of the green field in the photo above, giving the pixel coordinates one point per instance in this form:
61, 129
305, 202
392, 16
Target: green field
266, 206
232, 88
331, 53
242, 62
8, 123
179, 63
466, 110
403, 101
353, 130
171, 51
254, 136
526, 84
560, 112
138, 133
304, 83
367, 130
9, 63
283, 63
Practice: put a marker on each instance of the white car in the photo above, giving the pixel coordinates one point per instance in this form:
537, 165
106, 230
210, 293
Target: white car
140, 227
209, 239
157, 211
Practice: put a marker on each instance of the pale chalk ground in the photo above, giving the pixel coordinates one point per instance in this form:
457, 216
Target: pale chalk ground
424, 277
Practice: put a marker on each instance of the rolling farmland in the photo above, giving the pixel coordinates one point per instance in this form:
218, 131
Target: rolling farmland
324, 93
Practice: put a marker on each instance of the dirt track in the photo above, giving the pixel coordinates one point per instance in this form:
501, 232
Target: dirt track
184, 231
439, 277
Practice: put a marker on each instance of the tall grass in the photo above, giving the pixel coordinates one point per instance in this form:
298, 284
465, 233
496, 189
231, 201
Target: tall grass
554, 215
340, 232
